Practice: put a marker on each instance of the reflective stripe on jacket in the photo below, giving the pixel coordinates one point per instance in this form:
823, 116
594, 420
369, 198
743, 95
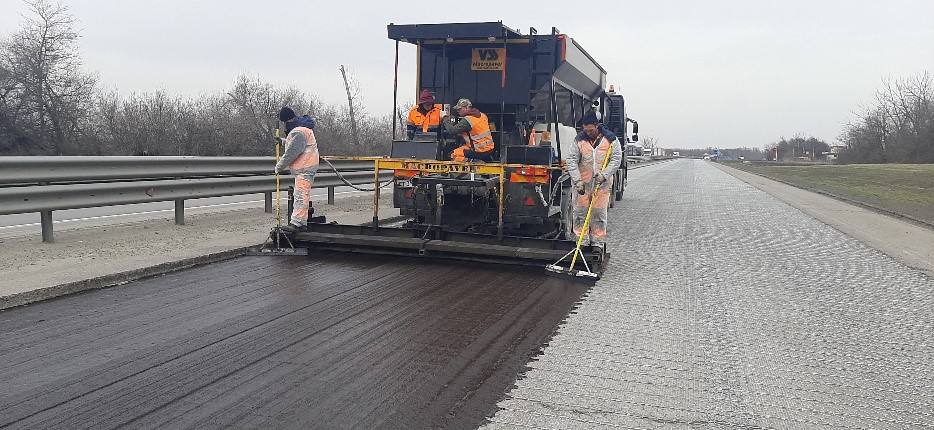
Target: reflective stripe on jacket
426, 121
479, 135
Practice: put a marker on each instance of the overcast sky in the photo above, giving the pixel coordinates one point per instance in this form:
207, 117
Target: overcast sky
695, 74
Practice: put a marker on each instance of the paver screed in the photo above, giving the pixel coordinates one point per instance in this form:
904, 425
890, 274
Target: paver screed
723, 307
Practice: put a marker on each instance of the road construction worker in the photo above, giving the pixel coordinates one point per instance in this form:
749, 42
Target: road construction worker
474, 128
300, 157
585, 166
425, 116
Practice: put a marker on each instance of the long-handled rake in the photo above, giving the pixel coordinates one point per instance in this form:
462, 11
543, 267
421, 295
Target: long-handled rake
585, 275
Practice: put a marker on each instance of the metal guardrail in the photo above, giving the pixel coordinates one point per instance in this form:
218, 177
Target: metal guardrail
46, 184
21, 170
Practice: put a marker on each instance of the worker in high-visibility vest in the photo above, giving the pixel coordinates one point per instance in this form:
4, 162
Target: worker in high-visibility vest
300, 156
585, 166
474, 129
425, 116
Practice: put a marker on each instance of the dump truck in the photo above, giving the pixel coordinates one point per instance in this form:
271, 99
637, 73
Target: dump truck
514, 207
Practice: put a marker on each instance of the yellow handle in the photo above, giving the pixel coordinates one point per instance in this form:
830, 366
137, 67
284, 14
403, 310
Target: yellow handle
278, 193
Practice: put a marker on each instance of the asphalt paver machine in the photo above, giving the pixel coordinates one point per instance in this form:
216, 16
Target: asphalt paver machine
534, 88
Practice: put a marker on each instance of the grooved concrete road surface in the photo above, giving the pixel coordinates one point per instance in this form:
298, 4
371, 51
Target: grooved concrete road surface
726, 308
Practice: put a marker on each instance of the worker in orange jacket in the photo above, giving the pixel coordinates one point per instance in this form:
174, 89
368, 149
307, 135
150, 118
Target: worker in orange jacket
474, 128
425, 116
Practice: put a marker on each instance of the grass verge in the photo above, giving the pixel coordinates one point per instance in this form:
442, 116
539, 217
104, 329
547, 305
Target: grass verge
905, 189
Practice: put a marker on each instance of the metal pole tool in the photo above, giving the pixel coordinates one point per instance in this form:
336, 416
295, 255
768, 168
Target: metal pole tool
277, 237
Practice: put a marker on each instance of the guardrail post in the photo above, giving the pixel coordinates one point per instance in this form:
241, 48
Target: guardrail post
267, 201
331, 195
180, 212
46, 217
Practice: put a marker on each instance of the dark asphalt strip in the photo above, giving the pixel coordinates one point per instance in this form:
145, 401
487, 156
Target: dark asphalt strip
281, 342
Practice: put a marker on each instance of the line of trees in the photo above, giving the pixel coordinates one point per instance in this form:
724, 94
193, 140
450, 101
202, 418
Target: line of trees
797, 148
898, 128
50, 106
725, 153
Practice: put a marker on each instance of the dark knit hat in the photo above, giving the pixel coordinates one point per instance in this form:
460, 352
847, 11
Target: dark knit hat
426, 97
286, 114
590, 118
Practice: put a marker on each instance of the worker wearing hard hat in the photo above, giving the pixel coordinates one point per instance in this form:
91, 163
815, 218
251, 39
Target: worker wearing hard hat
425, 116
300, 156
585, 166
474, 127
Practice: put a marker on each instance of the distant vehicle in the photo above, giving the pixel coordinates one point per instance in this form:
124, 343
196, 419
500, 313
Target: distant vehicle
676, 154
714, 155
634, 150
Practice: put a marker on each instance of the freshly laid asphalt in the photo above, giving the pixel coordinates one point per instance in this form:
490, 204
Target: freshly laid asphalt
280, 342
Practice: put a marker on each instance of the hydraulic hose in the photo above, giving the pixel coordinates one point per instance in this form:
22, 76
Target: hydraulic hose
346, 182
557, 187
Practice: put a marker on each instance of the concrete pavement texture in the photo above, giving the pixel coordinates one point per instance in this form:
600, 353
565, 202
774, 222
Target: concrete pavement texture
906, 241
724, 307
100, 256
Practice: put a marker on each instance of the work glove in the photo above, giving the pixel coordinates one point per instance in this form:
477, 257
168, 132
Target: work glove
600, 179
579, 186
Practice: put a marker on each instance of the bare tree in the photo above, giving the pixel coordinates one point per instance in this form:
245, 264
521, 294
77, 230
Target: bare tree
351, 94
402, 116
43, 75
899, 128
906, 108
